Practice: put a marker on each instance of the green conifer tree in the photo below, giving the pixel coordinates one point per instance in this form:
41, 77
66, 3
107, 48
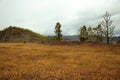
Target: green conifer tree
58, 31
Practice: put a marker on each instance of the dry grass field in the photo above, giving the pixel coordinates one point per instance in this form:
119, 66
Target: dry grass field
30, 61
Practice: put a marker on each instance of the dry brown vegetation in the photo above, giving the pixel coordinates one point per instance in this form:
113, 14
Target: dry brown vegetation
29, 61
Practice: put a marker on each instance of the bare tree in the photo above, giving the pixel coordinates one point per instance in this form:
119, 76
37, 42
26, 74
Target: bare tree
98, 33
107, 27
90, 34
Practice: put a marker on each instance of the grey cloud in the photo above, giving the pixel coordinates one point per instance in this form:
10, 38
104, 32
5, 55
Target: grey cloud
42, 15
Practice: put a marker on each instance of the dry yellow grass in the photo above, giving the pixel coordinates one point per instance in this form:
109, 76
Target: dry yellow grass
59, 62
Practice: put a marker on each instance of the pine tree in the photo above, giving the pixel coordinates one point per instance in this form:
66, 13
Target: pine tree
83, 33
58, 32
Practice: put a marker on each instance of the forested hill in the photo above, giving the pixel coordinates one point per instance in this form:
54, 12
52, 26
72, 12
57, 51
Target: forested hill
17, 34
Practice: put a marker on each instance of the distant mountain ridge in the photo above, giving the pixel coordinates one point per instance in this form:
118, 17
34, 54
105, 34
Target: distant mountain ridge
17, 34
76, 38
71, 37
117, 38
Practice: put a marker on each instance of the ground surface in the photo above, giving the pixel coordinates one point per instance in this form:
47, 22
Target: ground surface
59, 62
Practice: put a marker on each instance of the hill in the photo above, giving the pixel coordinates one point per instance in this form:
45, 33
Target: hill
17, 34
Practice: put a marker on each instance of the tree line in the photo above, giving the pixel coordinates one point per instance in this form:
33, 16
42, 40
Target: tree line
103, 32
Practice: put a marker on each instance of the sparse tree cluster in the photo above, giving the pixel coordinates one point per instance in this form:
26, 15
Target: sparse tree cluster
101, 33
91, 34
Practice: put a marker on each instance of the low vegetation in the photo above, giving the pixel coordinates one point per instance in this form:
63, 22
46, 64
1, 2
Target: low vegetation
19, 61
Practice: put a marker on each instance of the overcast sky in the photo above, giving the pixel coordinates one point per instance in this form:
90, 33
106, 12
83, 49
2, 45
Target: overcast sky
42, 15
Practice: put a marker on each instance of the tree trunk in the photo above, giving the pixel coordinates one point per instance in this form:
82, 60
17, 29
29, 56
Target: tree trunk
107, 39
107, 35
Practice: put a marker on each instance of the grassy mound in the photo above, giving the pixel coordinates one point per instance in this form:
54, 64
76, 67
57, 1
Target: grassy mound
17, 34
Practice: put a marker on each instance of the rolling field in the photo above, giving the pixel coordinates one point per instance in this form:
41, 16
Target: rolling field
30, 61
